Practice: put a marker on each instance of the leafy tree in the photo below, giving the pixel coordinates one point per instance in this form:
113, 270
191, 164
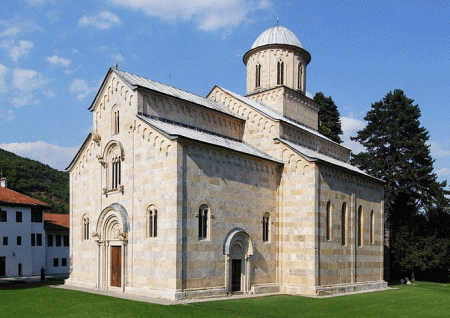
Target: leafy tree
329, 118
415, 202
37, 180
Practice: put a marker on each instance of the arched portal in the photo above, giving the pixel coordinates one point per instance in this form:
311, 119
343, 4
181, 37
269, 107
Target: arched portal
111, 233
238, 249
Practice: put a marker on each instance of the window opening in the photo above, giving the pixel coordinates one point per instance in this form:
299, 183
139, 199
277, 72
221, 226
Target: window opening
280, 73
360, 226
203, 222
328, 221
265, 227
344, 224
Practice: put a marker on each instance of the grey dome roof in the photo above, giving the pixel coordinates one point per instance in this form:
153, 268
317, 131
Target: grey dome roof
277, 35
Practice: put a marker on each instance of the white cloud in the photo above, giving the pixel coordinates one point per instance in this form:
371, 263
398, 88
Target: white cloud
117, 57
102, 20
24, 100
17, 50
207, 15
49, 93
437, 151
80, 87
55, 156
443, 172
74, 51
308, 94
15, 27
3, 71
350, 126
27, 80
58, 61
7, 115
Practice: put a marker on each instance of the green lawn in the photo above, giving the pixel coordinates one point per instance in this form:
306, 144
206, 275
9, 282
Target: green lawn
420, 299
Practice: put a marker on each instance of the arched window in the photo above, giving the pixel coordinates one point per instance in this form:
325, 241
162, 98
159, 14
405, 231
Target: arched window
152, 221
115, 120
258, 75
300, 76
85, 227
344, 224
203, 216
360, 226
265, 227
113, 166
329, 223
280, 73
372, 227
115, 173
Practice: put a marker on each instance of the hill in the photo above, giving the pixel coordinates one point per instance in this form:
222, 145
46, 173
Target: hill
37, 180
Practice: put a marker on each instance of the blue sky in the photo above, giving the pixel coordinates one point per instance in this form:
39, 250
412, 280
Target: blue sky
55, 53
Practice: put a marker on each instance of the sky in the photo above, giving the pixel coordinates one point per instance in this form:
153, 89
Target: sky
54, 55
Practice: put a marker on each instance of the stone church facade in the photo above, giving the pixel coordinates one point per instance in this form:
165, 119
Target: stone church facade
178, 196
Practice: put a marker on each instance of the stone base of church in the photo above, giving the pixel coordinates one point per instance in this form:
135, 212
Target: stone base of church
220, 291
334, 290
340, 289
80, 283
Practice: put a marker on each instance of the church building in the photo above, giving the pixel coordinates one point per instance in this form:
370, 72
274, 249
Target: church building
178, 196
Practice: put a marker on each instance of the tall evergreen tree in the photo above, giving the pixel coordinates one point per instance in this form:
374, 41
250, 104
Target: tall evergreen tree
329, 118
397, 152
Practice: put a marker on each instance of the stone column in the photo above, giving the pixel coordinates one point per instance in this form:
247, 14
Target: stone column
227, 273
248, 264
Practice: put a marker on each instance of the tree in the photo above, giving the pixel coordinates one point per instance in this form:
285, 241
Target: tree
397, 152
329, 119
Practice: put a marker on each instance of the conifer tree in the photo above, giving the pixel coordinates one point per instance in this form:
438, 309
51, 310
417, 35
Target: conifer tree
329, 118
397, 152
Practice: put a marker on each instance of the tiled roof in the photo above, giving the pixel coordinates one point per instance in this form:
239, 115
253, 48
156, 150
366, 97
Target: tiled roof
56, 222
313, 155
273, 114
173, 130
10, 197
135, 80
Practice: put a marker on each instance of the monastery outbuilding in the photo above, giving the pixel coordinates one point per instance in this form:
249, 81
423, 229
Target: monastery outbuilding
178, 196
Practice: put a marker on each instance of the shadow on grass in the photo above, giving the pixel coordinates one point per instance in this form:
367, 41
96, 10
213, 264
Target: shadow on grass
22, 284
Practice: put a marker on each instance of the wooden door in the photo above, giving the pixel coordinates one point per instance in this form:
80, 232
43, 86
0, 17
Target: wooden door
116, 266
2, 266
236, 274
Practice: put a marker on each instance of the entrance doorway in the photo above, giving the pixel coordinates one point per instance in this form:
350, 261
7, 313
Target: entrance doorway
236, 268
116, 266
19, 269
2, 266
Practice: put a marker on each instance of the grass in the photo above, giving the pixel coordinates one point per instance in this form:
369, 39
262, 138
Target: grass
421, 299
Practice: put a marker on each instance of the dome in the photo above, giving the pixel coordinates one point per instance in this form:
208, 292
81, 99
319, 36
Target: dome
277, 35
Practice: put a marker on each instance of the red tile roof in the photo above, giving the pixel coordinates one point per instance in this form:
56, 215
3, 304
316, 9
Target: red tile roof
10, 197
56, 222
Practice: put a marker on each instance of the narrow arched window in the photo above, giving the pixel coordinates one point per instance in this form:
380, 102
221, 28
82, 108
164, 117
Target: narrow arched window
280, 73
344, 224
265, 227
328, 221
360, 226
258, 75
116, 173
300, 76
85, 227
152, 222
203, 215
116, 121
372, 227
